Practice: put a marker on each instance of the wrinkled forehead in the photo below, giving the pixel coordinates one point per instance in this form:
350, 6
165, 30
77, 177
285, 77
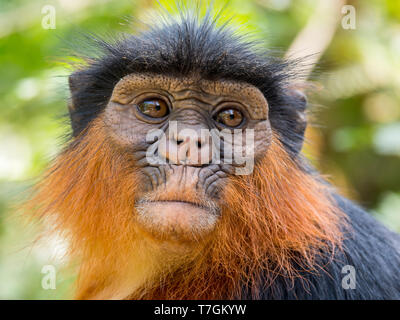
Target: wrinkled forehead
219, 90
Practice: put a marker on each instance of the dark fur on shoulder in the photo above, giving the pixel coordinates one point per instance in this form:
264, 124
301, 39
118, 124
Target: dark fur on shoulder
371, 249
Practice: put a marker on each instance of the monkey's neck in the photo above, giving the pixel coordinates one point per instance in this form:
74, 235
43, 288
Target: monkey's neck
149, 265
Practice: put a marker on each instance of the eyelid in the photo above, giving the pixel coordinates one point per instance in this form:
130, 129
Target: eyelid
151, 95
226, 105
231, 105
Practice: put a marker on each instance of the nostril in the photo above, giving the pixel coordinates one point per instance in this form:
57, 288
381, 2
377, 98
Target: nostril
179, 141
199, 144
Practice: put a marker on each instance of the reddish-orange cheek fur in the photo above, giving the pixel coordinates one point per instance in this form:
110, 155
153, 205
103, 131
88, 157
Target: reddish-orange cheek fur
272, 220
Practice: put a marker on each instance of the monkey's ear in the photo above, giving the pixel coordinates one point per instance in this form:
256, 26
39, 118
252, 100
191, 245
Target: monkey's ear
73, 85
90, 91
298, 118
77, 86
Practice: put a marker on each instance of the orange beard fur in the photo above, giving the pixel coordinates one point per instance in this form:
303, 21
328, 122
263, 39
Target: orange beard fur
273, 222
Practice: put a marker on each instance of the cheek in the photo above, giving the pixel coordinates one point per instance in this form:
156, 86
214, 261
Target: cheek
262, 138
245, 148
124, 127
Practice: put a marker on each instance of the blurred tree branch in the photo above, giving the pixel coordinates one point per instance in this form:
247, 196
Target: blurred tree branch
316, 36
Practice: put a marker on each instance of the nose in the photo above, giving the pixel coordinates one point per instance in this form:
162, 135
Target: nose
188, 145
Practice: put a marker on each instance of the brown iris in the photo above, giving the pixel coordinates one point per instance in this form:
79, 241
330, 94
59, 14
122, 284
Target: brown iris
154, 108
229, 117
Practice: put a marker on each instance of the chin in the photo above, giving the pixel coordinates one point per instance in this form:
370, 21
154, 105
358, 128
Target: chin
176, 220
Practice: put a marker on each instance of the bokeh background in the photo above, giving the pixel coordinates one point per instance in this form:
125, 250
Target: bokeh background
355, 103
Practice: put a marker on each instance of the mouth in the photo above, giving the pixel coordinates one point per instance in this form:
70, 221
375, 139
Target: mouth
177, 202
176, 219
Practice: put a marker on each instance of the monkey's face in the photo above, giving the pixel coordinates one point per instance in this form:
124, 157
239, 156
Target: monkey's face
187, 137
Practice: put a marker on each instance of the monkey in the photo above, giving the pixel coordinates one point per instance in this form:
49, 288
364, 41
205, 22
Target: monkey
157, 201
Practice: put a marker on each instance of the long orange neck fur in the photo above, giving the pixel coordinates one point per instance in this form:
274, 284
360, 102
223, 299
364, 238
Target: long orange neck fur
273, 222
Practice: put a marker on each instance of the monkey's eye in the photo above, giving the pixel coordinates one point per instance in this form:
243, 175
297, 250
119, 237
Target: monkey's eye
229, 117
154, 108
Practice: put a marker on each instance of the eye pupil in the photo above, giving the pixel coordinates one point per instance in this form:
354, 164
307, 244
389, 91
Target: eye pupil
154, 108
229, 117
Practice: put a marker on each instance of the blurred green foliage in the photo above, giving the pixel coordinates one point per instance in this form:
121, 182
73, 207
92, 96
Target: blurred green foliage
355, 138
